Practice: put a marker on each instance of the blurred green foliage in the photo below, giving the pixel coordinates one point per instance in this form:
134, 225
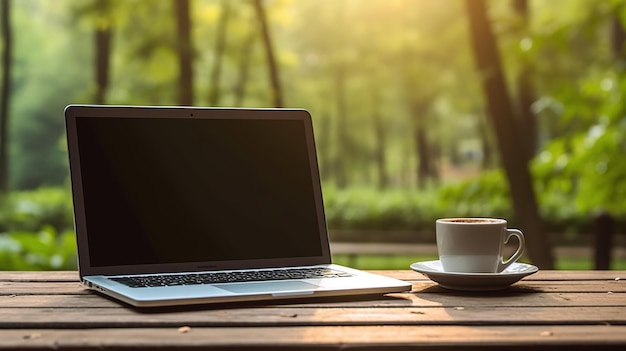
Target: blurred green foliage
31, 210
367, 261
484, 196
370, 72
41, 250
587, 165
36, 226
36, 230
368, 208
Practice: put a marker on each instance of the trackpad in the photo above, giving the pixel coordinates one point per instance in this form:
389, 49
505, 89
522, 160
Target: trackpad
267, 287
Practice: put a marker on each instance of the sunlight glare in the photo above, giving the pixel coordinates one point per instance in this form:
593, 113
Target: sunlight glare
526, 44
594, 134
607, 84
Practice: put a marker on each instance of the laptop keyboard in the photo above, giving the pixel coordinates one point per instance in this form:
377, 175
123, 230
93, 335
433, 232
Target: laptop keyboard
228, 277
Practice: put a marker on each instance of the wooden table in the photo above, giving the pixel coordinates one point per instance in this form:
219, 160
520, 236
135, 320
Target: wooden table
559, 310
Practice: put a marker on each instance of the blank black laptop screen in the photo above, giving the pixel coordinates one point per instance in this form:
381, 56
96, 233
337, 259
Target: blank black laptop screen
169, 190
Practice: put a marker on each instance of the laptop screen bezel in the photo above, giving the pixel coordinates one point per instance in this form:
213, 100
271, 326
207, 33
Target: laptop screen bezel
73, 112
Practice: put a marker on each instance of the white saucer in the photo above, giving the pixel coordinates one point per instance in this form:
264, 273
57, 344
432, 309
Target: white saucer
474, 281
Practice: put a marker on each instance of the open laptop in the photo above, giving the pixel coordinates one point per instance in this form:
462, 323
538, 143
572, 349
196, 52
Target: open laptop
187, 205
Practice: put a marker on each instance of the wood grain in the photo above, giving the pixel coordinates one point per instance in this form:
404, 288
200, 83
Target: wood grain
332, 337
574, 310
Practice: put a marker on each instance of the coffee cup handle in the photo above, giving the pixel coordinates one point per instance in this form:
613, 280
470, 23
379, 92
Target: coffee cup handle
518, 253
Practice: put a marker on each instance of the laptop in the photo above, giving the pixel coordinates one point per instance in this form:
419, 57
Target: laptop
189, 205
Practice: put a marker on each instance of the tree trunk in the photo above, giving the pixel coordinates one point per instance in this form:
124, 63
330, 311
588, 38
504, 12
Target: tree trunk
486, 144
244, 69
422, 156
380, 137
185, 70
218, 53
426, 169
423, 150
380, 140
103, 51
343, 137
7, 52
277, 94
323, 142
501, 114
527, 122
618, 38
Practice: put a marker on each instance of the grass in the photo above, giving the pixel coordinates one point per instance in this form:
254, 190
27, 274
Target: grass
402, 262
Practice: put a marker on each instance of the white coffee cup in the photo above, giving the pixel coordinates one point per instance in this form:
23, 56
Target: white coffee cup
475, 245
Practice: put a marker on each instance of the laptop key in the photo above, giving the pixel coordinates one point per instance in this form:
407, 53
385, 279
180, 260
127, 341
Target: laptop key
228, 277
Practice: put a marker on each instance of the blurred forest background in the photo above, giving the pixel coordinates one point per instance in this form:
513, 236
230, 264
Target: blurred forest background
422, 108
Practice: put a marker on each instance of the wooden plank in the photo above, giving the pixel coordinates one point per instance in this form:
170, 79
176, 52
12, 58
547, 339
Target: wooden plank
47, 276
567, 286
399, 274
577, 275
70, 276
597, 337
531, 287
427, 287
29, 287
553, 275
447, 299
550, 309
41, 288
286, 315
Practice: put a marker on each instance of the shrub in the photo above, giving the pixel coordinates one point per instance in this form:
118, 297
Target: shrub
34, 209
42, 250
372, 209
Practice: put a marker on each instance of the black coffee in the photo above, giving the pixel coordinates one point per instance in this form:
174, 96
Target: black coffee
471, 220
